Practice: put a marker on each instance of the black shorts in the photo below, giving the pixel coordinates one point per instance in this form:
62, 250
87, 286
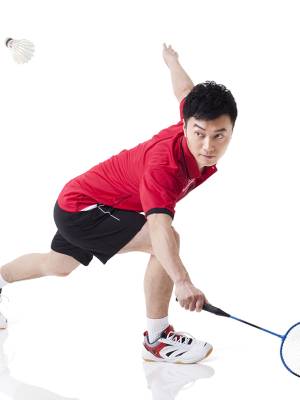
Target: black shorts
101, 232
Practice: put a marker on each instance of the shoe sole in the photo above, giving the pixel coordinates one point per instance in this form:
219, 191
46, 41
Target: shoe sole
179, 362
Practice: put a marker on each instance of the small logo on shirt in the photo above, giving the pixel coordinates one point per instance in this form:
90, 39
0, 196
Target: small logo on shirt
188, 185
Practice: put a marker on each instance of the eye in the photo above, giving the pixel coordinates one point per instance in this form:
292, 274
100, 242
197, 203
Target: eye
220, 136
200, 134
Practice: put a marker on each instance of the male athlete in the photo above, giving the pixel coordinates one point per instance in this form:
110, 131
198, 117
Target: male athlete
100, 212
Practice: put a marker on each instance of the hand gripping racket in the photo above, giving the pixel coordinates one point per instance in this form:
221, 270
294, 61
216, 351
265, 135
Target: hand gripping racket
290, 341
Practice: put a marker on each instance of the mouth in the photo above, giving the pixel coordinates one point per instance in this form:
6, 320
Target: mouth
208, 157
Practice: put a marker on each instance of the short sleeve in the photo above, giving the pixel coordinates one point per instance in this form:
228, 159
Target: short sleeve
159, 189
181, 108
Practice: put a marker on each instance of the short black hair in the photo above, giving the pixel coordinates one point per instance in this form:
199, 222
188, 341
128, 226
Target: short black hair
209, 100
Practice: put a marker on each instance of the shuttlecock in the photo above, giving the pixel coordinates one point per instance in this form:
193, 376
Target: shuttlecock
22, 50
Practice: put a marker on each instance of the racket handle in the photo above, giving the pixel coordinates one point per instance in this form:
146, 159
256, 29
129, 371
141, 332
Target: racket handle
212, 309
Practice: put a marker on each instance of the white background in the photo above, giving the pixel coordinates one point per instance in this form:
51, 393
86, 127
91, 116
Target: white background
97, 85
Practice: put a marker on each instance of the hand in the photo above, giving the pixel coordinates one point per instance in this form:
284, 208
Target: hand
169, 55
189, 296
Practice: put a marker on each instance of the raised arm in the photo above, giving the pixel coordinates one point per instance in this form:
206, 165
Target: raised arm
181, 82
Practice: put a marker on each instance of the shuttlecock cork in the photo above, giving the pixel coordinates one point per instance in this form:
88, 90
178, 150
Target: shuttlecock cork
22, 50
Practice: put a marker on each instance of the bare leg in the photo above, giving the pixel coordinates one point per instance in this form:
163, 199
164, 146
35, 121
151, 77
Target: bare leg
158, 287
36, 265
25, 267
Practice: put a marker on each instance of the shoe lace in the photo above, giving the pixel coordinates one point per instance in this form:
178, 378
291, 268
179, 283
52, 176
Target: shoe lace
180, 337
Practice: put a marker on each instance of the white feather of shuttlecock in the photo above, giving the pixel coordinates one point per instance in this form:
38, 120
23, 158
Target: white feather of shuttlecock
22, 50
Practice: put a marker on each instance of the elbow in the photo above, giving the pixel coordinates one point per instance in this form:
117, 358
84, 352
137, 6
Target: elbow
159, 220
183, 93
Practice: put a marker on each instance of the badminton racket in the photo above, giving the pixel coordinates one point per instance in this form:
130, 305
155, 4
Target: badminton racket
290, 341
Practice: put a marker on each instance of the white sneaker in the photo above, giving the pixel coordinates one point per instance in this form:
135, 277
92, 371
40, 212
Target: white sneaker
3, 320
175, 347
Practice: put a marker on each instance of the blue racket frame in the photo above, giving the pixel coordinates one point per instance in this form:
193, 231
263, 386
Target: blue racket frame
210, 308
215, 310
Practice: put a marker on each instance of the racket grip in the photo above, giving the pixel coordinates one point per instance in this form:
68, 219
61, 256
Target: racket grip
212, 309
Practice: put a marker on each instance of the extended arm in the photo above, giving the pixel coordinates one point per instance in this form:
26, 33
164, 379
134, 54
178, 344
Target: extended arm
181, 82
166, 251
165, 247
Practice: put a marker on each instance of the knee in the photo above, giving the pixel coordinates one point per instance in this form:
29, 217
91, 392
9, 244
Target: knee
59, 264
61, 273
55, 270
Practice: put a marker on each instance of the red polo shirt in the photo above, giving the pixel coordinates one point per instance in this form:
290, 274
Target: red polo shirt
150, 177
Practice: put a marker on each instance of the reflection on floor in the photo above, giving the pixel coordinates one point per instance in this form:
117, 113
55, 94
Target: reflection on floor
17, 390
166, 380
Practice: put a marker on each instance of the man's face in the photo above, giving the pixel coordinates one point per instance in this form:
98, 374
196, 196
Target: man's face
208, 140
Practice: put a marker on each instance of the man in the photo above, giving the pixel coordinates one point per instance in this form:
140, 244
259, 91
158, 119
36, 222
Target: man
99, 213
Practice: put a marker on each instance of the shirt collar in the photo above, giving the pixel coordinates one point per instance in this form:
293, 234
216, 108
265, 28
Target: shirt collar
191, 164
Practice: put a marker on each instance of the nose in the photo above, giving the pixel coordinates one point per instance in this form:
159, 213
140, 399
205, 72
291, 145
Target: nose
207, 145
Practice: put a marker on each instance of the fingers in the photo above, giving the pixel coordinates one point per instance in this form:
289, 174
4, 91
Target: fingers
169, 48
199, 305
193, 304
185, 304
